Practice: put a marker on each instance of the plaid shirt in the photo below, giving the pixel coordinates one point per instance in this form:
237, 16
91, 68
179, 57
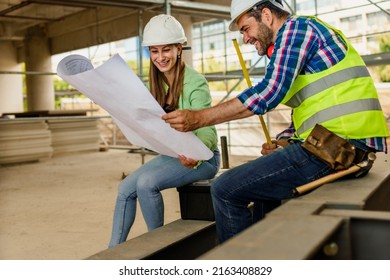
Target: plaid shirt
303, 46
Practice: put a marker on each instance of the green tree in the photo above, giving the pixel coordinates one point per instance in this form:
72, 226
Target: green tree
384, 46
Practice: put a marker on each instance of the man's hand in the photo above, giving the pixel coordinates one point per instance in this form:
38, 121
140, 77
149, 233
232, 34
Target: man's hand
274, 146
182, 120
269, 148
189, 120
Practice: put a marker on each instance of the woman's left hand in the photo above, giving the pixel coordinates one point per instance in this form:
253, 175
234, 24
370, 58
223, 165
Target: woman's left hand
187, 162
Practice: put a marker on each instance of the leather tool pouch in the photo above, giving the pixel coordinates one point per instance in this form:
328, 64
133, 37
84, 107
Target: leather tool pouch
337, 152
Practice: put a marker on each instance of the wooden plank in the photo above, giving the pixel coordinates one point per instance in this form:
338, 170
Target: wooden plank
24, 141
74, 135
145, 245
296, 207
372, 215
278, 238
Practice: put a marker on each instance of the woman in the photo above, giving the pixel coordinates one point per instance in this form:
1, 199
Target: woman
175, 86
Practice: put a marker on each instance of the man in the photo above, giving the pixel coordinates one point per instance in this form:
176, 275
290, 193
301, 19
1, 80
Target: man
314, 70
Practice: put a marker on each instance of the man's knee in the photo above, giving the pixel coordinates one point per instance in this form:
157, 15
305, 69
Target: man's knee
218, 189
215, 186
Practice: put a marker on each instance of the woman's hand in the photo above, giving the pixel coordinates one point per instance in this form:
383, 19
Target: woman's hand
187, 162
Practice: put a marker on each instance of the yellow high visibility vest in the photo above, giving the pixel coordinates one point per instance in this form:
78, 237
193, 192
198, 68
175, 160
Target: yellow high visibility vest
342, 98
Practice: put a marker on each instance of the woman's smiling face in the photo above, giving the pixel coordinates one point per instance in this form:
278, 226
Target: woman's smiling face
164, 57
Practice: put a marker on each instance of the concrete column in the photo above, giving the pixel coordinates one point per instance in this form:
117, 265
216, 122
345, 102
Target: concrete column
40, 88
11, 85
187, 26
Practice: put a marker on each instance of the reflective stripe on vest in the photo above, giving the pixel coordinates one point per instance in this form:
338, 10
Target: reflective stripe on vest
326, 82
340, 110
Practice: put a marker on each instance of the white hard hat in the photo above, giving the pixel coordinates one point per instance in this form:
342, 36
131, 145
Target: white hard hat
239, 7
162, 30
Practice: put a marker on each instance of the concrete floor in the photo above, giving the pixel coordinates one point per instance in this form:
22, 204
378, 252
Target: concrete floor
61, 208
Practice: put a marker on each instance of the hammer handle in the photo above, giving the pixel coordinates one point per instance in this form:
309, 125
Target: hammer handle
327, 179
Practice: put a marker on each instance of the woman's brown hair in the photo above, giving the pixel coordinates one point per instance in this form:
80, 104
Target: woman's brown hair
157, 80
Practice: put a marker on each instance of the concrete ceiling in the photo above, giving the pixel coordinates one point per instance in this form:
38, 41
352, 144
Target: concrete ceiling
74, 24
60, 20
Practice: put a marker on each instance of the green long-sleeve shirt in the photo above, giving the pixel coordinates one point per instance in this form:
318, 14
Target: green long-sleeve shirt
196, 96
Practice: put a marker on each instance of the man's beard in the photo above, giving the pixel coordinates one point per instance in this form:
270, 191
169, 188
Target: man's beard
264, 38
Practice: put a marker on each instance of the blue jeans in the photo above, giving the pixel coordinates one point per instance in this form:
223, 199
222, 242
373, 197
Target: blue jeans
146, 184
268, 178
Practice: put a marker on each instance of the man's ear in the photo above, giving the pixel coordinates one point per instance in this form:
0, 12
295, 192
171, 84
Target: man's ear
267, 16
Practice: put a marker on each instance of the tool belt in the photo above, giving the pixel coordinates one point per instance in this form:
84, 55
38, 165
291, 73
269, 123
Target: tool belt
335, 151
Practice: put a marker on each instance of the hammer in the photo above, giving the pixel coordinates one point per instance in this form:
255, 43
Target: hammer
359, 169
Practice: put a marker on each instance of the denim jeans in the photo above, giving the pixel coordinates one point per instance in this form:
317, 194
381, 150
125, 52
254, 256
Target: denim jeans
267, 179
146, 184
